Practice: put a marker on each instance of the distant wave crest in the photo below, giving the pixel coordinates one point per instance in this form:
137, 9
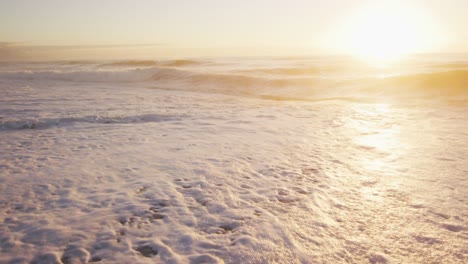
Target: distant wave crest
292, 71
180, 63
111, 76
151, 63
131, 63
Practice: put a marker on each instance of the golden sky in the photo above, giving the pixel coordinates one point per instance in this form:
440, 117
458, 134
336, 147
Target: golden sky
105, 29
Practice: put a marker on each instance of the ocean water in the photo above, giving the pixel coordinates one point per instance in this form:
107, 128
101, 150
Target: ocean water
323, 159
312, 78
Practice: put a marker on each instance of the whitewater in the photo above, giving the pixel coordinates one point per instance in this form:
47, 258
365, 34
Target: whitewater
320, 159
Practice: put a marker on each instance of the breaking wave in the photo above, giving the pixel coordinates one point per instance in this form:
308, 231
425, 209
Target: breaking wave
181, 63
449, 83
306, 83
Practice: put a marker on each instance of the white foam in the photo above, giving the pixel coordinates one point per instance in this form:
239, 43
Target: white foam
119, 173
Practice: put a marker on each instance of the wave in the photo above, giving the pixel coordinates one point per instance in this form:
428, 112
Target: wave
115, 76
453, 82
54, 122
181, 63
227, 79
131, 63
235, 84
151, 63
437, 85
162, 75
288, 71
292, 86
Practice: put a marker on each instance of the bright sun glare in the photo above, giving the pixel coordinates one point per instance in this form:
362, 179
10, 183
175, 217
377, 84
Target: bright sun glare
385, 32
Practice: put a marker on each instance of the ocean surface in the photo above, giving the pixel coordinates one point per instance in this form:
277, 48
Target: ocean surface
323, 159
418, 78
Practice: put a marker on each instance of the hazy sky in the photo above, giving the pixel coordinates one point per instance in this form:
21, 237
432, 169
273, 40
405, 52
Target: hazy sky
171, 28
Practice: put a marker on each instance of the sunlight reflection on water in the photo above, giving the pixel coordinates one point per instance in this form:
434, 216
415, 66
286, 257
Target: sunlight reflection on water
377, 132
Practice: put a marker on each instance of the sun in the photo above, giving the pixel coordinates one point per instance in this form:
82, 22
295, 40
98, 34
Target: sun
384, 32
